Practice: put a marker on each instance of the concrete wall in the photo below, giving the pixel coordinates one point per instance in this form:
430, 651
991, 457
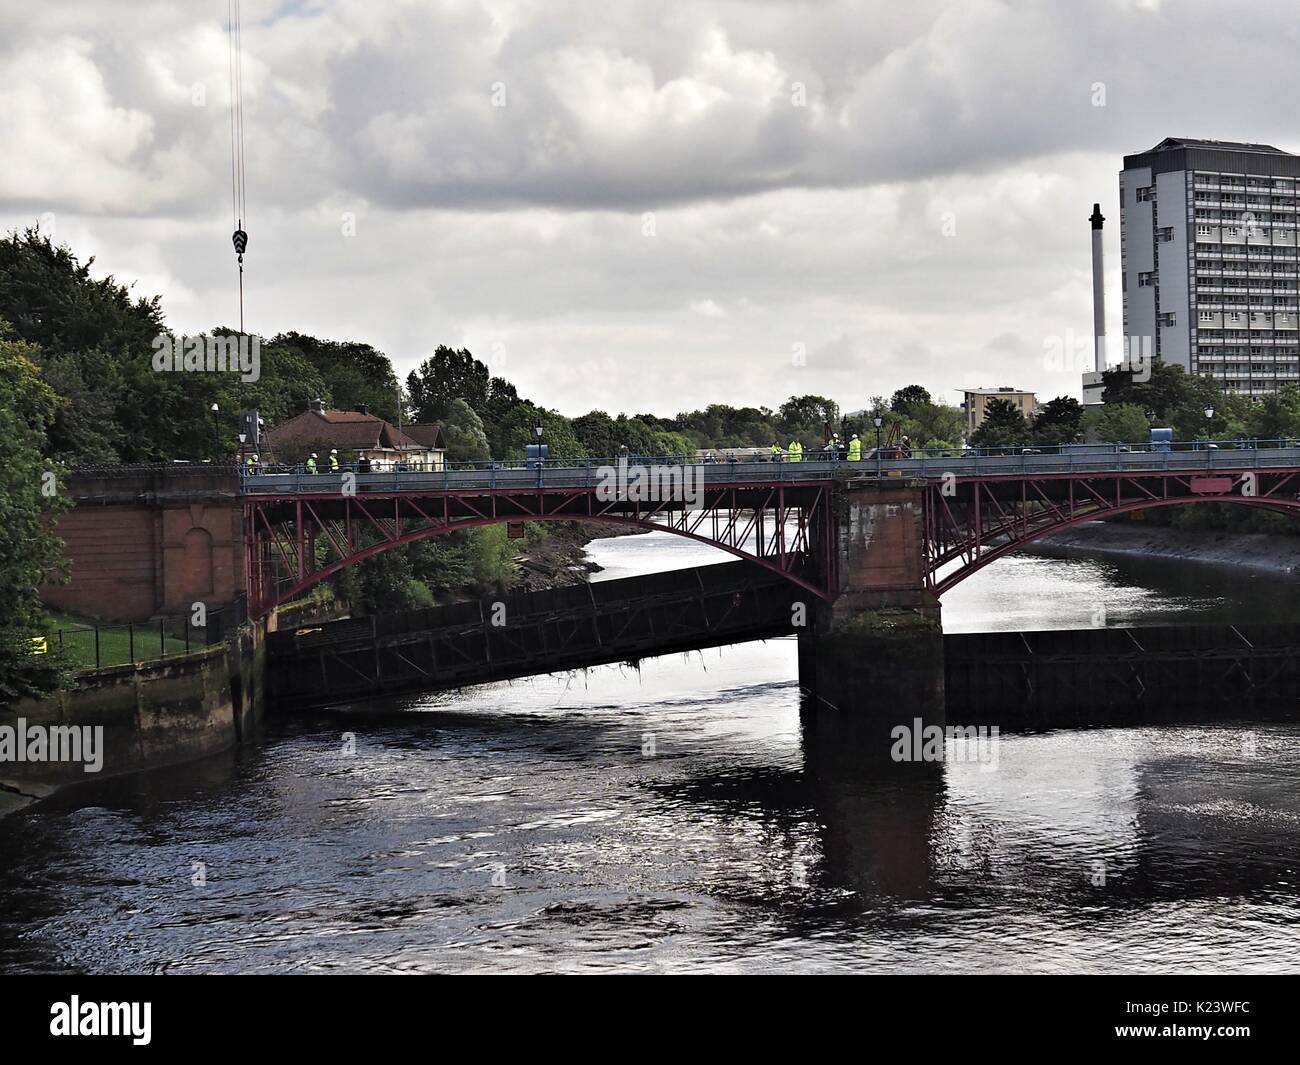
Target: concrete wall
153, 714
143, 541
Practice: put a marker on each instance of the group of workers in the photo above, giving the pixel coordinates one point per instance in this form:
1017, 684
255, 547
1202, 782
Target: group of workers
252, 462
794, 453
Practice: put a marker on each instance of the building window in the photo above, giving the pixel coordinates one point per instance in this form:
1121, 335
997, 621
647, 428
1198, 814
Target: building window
1146, 192
1165, 233
1167, 318
1147, 279
1206, 316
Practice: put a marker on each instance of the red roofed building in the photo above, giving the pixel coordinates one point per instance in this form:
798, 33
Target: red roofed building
357, 436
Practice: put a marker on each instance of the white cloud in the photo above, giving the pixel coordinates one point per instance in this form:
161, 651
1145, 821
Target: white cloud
921, 218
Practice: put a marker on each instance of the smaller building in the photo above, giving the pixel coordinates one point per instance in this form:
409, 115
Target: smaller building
1093, 388
975, 403
358, 436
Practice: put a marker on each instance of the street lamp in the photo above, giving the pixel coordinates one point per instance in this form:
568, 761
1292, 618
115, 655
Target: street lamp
216, 432
879, 421
242, 438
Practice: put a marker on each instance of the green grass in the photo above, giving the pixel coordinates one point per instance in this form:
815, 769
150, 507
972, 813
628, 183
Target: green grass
77, 640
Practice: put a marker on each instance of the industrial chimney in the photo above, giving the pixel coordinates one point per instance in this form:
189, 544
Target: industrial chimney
1098, 291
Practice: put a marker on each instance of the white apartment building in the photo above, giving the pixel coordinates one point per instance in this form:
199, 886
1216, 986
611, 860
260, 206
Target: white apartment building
1209, 256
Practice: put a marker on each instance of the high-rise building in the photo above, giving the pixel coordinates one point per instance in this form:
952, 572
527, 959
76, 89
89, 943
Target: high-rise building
1209, 257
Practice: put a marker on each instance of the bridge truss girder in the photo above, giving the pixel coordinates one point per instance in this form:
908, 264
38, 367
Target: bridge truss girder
973, 521
294, 541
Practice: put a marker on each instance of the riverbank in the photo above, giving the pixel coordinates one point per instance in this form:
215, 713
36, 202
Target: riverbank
560, 559
1255, 552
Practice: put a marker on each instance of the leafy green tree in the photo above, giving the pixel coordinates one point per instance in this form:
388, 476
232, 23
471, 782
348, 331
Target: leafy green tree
518, 430
1158, 391
1277, 417
907, 401
1118, 423
466, 438
1058, 421
1003, 425
492, 557
30, 495
353, 375
805, 418
450, 374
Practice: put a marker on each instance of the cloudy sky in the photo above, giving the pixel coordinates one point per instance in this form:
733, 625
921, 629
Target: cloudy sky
638, 205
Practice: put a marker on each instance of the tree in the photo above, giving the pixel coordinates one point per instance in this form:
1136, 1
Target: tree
1157, 388
908, 400
30, 495
1058, 421
518, 430
1003, 425
353, 374
1119, 423
1277, 416
804, 418
450, 374
466, 439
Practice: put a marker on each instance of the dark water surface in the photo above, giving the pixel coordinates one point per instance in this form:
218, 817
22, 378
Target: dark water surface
677, 818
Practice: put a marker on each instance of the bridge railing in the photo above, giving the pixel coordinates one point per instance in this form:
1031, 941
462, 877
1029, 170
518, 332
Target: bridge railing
592, 472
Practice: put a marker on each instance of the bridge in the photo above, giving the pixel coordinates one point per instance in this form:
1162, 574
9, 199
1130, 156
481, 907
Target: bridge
539, 632
972, 509
867, 547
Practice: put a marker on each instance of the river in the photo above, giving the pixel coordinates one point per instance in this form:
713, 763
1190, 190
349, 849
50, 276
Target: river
673, 818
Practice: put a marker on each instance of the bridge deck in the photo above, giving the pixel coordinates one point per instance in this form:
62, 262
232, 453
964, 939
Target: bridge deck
587, 474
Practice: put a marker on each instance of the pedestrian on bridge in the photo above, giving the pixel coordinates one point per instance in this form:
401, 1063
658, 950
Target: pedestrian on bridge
334, 460
777, 453
795, 451
855, 449
311, 464
250, 465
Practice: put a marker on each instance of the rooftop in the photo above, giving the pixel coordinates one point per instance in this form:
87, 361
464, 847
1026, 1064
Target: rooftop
1171, 143
347, 429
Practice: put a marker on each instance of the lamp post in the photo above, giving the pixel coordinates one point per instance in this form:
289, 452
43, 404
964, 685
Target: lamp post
216, 432
541, 463
242, 438
879, 421
1209, 419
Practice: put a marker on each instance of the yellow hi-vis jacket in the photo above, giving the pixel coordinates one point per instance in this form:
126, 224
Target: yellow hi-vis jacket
311, 465
796, 451
855, 450
334, 464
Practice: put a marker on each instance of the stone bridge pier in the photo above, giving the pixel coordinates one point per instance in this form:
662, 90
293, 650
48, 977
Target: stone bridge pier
873, 658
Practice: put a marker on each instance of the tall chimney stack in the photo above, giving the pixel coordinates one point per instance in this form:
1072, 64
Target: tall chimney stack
1098, 291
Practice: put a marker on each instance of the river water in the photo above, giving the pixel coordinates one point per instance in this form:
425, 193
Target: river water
675, 818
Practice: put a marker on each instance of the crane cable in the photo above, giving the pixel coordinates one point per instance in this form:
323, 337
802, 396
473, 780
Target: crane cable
238, 200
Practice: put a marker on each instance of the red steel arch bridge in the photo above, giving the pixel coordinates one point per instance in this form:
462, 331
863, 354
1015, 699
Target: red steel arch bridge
939, 517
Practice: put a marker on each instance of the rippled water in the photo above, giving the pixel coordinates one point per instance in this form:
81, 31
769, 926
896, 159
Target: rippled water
676, 818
